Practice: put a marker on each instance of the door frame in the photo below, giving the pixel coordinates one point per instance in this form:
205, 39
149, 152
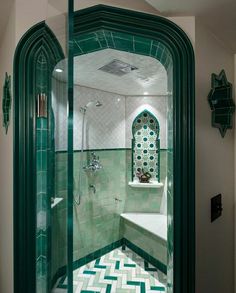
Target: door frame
90, 19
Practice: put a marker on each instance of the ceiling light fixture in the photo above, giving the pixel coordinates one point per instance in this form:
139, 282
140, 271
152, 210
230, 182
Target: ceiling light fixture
59, 70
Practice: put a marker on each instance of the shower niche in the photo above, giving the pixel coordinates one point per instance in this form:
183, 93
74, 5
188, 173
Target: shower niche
146, 151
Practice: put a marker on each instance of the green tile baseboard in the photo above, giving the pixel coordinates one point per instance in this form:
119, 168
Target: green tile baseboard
153, 261
123, 242
60, 273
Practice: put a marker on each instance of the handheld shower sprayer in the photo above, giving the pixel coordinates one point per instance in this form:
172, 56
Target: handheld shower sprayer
83, 110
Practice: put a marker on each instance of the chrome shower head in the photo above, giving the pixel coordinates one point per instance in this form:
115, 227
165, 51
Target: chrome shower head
90, 103
98, 104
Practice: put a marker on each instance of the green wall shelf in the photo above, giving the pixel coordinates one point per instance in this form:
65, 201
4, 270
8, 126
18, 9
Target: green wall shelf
152, 184
56, 201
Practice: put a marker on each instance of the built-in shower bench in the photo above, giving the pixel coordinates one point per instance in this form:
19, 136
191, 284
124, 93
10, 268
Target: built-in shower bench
152, 222
148, 231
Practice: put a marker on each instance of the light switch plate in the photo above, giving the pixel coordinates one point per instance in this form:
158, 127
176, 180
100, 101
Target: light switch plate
216, 207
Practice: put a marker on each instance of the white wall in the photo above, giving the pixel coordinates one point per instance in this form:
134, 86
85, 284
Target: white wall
105, 125
7, 46
214, 173
234, 180
108, 126
24, 14
187, 24
28, 13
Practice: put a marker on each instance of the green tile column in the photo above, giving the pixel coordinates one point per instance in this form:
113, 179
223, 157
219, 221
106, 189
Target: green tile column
42, 192
42, 199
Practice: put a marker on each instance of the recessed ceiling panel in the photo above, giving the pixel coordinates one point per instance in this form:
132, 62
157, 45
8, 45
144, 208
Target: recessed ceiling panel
144, 75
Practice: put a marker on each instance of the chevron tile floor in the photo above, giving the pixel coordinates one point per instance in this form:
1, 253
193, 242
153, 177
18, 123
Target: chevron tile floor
119, 271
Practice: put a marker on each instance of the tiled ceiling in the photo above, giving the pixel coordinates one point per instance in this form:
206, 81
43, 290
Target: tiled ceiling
150, 78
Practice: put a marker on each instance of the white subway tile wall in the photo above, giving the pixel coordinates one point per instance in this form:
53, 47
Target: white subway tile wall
108, 126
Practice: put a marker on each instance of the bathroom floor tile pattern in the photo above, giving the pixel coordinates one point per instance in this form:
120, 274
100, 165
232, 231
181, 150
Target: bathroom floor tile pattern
118, 271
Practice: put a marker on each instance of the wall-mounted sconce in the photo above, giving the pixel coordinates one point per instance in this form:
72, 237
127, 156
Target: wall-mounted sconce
6, 102
42, 106
221, 102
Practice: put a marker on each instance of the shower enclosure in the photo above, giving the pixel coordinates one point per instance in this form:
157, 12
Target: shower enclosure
122, 127
113, 166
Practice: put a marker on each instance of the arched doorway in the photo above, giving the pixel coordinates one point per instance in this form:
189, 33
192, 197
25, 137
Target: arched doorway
96, 19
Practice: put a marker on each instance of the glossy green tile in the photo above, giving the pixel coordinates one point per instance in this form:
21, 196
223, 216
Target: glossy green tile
42, 246
103, 39
44, 123
109, 39
142, 48
89, 273
38, 124
153, 50
86, 37
77, 49
44, 139
39, 160
91, 46
38, 139
44, 159
97, 220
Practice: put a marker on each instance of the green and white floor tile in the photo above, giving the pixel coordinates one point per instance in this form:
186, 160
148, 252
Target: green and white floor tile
118, 271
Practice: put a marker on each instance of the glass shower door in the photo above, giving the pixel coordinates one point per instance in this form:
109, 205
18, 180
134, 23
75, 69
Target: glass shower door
123, 157
54, 156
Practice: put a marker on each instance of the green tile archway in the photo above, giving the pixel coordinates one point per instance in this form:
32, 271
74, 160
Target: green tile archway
37, 43
100, 20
